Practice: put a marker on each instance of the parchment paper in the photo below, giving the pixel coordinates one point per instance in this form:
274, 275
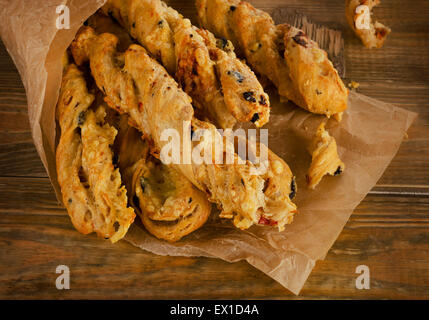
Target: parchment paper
368, 138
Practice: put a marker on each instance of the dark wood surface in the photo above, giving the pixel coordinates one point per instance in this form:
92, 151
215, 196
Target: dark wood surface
389, 230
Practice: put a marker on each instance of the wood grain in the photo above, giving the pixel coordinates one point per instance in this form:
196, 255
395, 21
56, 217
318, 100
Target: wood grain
389, 230
35, 240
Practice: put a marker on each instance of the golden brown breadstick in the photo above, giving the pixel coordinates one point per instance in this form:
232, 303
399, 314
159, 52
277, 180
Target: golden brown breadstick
169, 206
152, 99
137, 85
219, 83
279, 189
90, 185
374, 34
300, 70
325, 159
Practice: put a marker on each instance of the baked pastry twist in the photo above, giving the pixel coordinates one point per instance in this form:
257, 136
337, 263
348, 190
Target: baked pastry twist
325, 159
279, 189
137, 85
207, 69
296, 65
169, 205
376, 34
90, 185
280, 186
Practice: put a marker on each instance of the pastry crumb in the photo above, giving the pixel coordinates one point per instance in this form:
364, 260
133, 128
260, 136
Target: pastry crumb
325, 159
353, 85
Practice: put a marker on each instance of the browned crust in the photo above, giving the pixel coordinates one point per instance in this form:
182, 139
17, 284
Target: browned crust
278, 52
199, 63
143, 90
169, 206
90, 185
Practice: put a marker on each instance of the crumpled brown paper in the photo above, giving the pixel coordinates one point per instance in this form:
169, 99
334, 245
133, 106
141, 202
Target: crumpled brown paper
368, 138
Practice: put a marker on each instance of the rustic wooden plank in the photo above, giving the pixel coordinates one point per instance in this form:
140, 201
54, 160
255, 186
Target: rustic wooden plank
18, 156
29, 195
12, 92
387, 233
100, 270
36, 196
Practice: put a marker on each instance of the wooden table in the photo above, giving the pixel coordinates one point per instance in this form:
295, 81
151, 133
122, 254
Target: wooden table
389, 230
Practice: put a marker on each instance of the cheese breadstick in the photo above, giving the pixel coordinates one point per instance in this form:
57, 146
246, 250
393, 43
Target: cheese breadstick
137, 85
90, 184
168, 204
220, 84
296, 65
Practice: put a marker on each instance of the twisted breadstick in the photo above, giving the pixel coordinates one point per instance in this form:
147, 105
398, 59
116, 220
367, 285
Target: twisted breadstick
300, 70
207, 69
90, 185
137, 85
143, 90
169, 206
279, 188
